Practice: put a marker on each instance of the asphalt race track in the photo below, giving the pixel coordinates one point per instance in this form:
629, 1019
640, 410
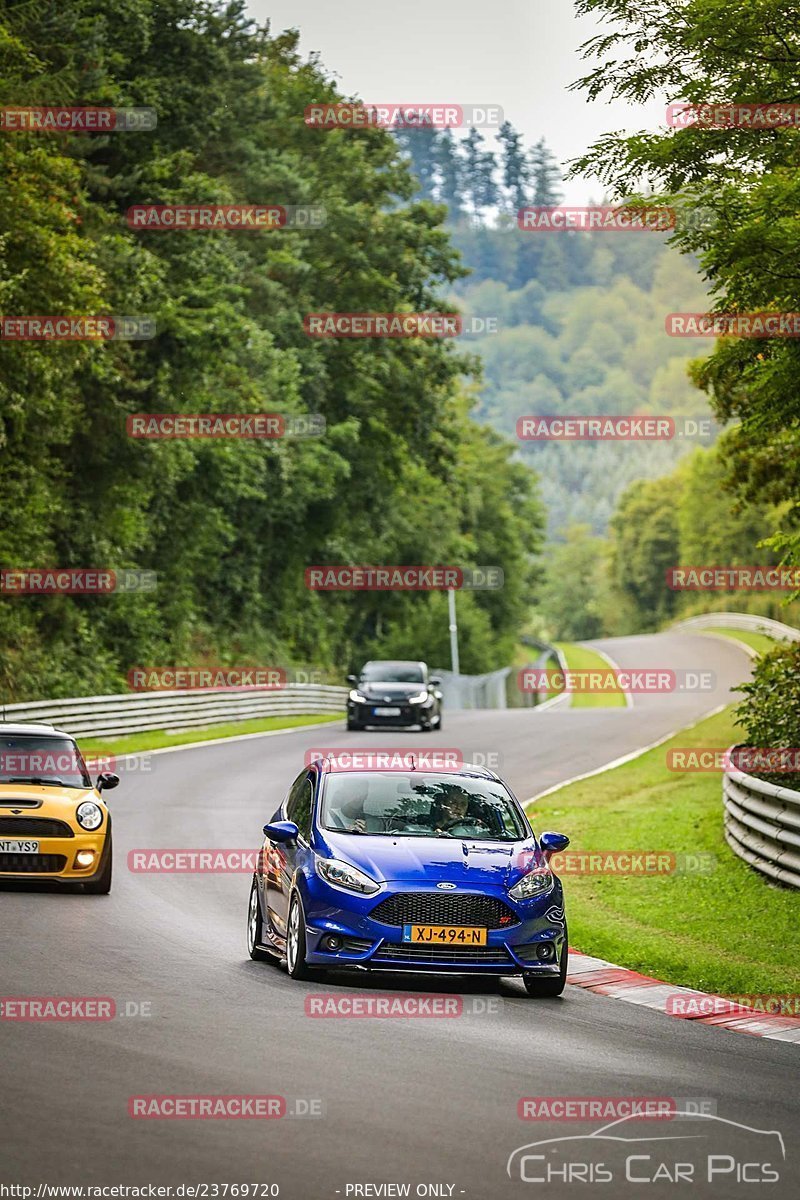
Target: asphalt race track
416, 1101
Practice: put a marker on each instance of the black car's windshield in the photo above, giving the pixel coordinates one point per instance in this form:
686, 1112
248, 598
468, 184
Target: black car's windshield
35, 758
410, 804
392, 673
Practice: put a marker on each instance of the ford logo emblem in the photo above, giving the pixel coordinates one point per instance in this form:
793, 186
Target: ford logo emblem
446, 886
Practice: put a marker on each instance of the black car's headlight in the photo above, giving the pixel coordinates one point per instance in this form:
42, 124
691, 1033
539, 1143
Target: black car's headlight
342, 875
89, 815
357, 698
420, 698
536, 883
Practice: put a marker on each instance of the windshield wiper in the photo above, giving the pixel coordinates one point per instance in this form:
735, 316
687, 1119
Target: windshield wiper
46, 780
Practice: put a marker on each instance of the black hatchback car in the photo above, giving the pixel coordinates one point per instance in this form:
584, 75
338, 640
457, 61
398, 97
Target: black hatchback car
394, 693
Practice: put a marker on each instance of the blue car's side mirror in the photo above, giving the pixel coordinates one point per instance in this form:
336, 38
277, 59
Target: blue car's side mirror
281, 831
553, 843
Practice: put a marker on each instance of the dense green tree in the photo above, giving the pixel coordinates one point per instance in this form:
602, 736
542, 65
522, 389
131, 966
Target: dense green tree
228, 526
738, 191
545, 175
480, 168
516, 172
421, 144
450, 173
570, 599
645, 545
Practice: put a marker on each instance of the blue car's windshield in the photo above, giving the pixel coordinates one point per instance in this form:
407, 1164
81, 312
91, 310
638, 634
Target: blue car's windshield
410, 804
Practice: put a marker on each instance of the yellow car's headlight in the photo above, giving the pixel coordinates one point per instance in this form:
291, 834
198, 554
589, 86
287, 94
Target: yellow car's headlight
89, 815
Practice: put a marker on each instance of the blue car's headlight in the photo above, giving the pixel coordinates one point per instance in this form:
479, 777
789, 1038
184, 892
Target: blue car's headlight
342, 875
420, 698
535, 883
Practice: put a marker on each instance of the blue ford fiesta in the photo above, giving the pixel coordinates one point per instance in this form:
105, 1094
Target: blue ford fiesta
423, 870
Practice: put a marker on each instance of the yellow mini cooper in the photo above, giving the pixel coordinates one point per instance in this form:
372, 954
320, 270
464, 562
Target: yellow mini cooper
54, 824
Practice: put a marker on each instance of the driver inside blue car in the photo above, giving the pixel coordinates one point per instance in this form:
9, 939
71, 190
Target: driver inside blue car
451, 813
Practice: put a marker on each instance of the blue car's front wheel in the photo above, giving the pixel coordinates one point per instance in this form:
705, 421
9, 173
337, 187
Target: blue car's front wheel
296, 941
255, 928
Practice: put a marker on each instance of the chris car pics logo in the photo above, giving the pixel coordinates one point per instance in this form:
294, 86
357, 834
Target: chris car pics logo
692, 1147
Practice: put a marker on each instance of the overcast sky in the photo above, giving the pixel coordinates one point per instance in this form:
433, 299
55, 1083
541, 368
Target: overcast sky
520, 54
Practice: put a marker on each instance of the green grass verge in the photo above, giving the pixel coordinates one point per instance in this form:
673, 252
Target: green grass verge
729, 931
156, 739
757, 641
581, 658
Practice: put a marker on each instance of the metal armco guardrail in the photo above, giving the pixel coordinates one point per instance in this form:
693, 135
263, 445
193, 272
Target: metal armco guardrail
112, 716
746, 621
762, 825
473, 691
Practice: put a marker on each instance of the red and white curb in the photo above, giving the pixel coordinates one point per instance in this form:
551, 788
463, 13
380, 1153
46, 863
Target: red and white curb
607, 979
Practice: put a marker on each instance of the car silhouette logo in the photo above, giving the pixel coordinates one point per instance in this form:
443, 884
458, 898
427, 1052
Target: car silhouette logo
447, 886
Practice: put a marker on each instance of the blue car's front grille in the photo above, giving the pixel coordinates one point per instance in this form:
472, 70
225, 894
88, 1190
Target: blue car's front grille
493, 955
433, 908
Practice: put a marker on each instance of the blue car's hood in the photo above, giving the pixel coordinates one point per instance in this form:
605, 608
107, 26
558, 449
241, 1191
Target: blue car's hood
431, 859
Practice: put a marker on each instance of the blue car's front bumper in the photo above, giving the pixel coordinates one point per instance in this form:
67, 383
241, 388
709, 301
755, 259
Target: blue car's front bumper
371, 944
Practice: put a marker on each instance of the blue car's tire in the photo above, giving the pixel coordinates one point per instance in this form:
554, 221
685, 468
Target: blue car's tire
296, 941
255, 928
542, 988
